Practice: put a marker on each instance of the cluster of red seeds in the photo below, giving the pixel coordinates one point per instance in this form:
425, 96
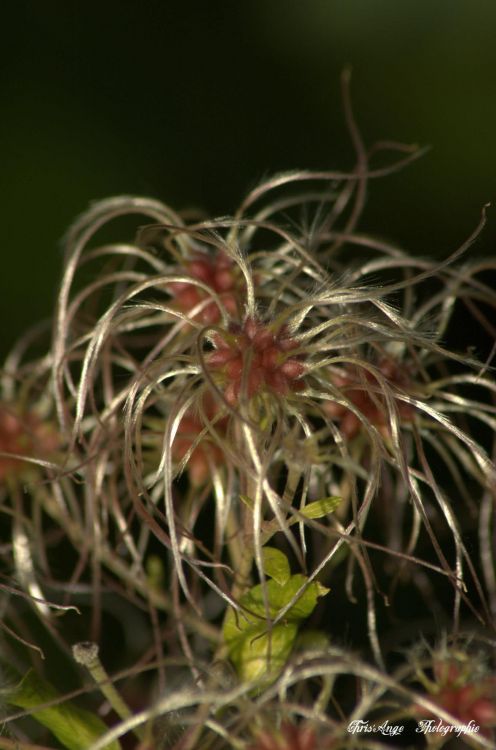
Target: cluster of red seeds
206, 453
252, 357
463, 696
365, 394
221, 275
248, 358
23, 434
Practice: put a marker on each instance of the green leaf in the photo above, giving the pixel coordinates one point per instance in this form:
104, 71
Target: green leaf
276, 565
320, 508
74, 727
259, 652
253, 603
314, 510
261, 655
279, 596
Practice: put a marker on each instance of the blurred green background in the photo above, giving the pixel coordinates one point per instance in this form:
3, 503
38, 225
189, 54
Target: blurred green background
194, 102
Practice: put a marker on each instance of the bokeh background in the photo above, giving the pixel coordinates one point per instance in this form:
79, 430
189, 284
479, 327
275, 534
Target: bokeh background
194, 102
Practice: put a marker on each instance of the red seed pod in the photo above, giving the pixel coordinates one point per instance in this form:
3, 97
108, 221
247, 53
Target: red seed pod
202, 269
292, 369
224, 280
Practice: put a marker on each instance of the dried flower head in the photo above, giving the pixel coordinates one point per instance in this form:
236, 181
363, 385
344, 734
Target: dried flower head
236, 344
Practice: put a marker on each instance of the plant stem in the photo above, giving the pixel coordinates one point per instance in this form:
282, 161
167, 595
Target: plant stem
86, 654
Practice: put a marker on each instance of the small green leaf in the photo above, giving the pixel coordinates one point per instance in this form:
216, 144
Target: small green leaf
321, 589
314, 510
260, 652
276, 565
74, 727
320, 508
